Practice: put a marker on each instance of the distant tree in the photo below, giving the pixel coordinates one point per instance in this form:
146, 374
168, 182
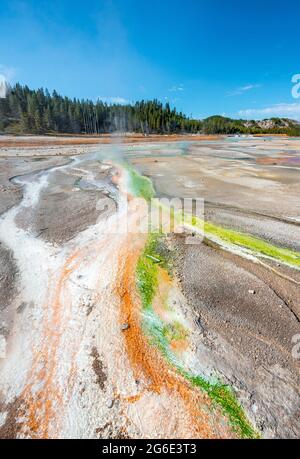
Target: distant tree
38, 111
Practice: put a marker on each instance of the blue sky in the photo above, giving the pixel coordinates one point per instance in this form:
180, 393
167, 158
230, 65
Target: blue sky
204, 56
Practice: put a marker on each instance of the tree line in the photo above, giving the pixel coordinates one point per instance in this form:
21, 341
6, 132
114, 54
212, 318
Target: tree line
36, 111
24, 110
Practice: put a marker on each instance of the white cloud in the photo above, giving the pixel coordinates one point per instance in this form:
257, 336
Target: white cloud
242, 90
114, 100
176, 88
281, 110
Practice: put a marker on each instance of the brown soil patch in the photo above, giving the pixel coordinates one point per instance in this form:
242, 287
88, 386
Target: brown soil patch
16, 142
98, 368
11, 426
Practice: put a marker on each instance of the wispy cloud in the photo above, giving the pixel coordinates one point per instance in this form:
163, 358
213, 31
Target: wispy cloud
284, 110
242, 90
176, 88
114, 100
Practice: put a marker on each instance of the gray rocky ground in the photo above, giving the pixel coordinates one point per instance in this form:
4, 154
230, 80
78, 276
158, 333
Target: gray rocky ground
246, 314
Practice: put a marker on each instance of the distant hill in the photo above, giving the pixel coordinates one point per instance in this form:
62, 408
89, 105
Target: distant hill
24, 110
222, 125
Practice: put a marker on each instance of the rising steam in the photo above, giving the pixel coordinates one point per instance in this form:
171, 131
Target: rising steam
3, 87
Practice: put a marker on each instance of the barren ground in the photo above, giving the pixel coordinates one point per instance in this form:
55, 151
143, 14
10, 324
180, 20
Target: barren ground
78, 362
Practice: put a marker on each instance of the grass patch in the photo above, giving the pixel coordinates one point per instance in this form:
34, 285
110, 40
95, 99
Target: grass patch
140, 186
161, 334
224, 396
147, 269
254, 244
175, 331
147, 279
